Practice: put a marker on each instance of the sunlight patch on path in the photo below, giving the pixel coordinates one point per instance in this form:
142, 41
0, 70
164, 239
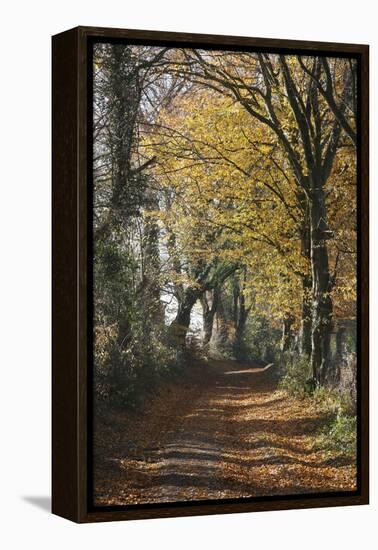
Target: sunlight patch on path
250, 371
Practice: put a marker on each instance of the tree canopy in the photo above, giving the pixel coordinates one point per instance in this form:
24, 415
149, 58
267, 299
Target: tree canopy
224, 181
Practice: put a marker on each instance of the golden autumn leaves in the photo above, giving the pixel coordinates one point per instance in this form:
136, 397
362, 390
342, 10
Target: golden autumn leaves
232, 194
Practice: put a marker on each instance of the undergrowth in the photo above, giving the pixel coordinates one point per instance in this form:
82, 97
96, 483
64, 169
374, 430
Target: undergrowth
338, 434
295, 374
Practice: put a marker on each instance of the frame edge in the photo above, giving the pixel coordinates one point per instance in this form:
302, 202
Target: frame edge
69, 369
65, 387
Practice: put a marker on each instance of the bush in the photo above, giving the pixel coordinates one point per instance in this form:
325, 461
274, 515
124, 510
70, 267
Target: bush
123, 374
261, 340
295, 374
339, 436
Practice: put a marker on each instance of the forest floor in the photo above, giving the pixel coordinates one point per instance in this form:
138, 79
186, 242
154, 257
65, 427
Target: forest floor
227, 431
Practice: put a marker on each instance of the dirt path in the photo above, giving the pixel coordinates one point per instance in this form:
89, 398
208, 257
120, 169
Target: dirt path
227, 433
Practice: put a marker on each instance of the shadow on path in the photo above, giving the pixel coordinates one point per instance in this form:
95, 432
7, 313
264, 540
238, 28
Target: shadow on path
225, 440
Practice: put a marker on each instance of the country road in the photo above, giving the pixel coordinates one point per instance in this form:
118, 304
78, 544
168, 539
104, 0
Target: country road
227, 432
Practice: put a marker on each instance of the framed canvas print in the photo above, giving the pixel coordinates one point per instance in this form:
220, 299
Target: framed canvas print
210, 274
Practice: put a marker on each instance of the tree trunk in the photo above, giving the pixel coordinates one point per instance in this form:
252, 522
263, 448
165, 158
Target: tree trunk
208, 315
150, 267
222, 324
340, 349
240, 323
287, 333
340, 341
179, 327
124, 94
305, 344
306, 313
321, 285
188, 297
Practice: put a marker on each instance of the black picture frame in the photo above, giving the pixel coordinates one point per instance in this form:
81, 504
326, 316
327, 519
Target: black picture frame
71, 290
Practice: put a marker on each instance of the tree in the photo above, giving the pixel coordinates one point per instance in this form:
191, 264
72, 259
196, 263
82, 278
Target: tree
283, 96
127, 309
230, 195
